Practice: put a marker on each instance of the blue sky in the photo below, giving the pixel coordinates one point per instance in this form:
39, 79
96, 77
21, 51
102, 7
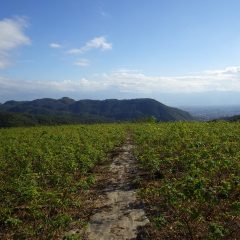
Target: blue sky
180, 52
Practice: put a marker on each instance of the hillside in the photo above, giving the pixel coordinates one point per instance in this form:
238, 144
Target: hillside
67, 110
235, 118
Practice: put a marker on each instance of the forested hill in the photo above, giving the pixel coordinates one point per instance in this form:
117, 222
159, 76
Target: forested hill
67, 110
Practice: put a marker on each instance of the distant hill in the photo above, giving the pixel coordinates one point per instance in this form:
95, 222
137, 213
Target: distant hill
67, 110
235, 118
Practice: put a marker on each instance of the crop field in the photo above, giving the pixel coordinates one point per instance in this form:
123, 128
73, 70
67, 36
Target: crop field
189, 181
194, 186
43, 174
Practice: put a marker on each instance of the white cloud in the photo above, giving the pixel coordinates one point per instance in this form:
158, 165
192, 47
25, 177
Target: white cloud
12, 36
81, 85
134, 82
96, 43
82, 63
14, 85
4, 62
55, 45
226, 71
220, 80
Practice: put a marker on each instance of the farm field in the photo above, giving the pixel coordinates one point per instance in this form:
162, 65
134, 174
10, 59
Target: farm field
189, 177
44, 172
192, 187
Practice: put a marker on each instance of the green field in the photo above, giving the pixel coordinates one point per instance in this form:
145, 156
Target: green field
191, 184
44, 172
194, 191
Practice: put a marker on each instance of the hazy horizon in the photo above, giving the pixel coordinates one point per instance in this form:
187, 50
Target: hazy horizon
181, 53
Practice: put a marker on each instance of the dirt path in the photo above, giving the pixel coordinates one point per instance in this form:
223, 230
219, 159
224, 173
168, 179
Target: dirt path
119, 213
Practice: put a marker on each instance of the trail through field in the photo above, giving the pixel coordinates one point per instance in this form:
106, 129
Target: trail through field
119, 213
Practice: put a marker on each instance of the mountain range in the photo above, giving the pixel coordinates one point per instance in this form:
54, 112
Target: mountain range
66, 110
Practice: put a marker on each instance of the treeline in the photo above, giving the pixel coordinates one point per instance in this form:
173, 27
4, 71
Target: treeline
8, 120
24, 119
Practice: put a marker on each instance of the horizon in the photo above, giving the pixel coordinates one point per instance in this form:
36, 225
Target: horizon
180, 54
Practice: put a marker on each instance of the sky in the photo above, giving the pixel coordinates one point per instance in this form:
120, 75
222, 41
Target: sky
179, 52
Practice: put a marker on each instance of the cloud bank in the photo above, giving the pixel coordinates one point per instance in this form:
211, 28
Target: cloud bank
129, 81
12, 36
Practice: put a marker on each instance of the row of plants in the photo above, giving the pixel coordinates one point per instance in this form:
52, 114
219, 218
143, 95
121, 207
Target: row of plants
44, 172
192, 188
